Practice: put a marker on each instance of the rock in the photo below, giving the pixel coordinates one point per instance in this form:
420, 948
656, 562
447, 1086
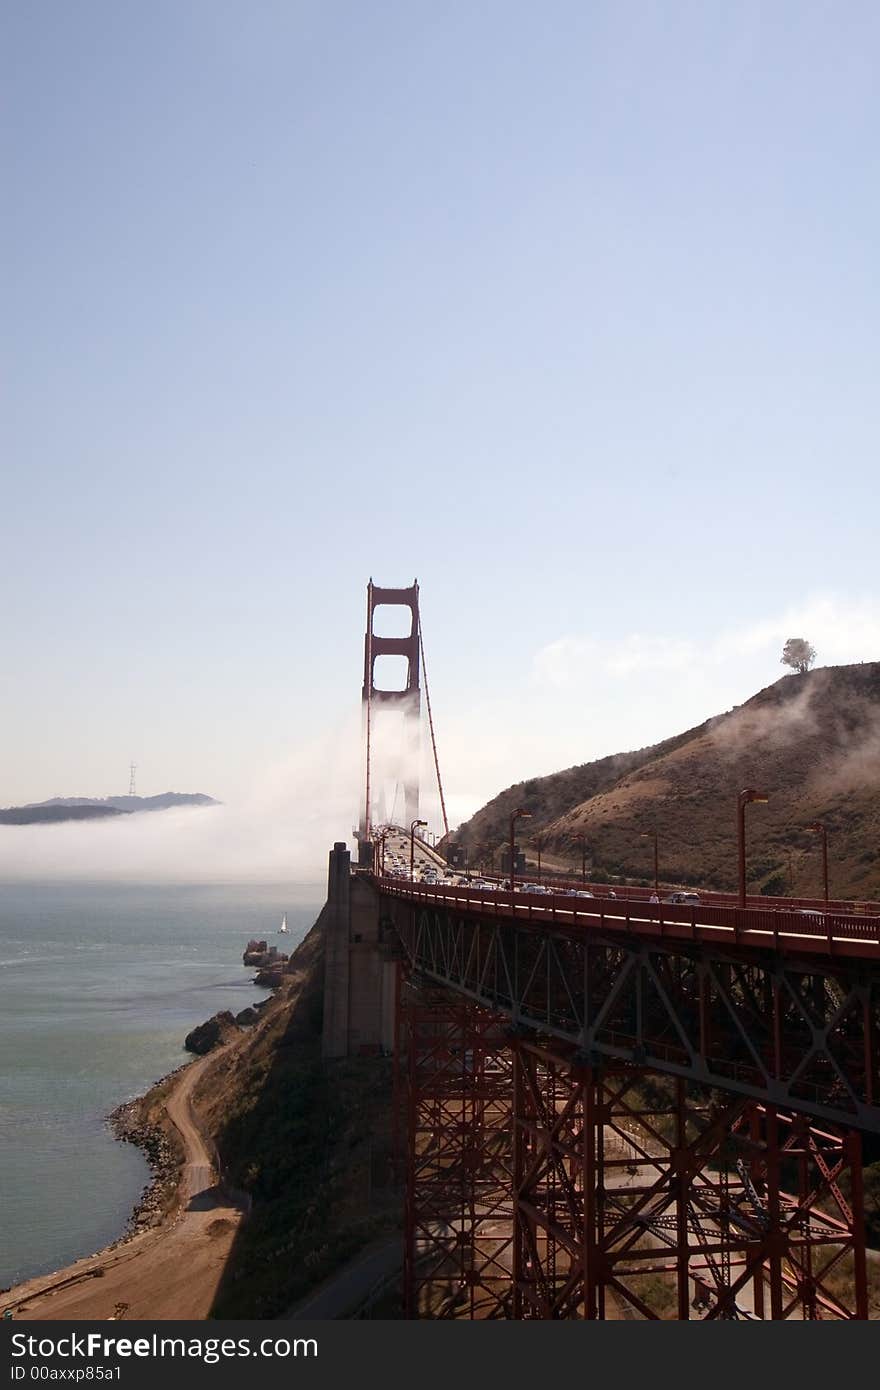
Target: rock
158, 1194
208, 1035
247, 1017
270, 976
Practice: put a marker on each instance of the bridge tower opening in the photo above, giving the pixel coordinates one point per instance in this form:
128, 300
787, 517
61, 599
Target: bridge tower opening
391, 718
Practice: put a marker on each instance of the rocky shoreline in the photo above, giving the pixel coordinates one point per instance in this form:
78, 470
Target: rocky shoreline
128, 1124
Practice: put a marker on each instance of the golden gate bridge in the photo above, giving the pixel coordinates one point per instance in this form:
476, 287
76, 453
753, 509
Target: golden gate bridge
610, 1106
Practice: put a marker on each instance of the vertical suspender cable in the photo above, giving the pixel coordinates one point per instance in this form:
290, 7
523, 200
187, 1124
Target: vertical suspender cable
431, 726
369, 683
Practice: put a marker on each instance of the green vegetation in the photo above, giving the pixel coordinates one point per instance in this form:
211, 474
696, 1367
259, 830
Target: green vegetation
775, 887
306, 1148
308, 1141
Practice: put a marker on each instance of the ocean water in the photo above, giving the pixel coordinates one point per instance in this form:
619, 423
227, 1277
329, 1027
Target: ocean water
99, 984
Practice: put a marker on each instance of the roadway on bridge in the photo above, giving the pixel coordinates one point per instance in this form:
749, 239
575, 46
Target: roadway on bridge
774, 928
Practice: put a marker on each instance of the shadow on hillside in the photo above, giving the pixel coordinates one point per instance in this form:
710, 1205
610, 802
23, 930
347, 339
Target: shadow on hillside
208, 1199
310, 1144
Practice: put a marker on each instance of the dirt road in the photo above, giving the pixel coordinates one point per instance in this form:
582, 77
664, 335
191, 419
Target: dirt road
171, 1271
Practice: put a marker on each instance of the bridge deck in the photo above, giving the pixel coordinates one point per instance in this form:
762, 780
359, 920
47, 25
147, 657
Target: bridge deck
789, 932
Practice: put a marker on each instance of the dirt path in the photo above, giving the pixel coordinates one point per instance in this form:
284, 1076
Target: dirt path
171, 1271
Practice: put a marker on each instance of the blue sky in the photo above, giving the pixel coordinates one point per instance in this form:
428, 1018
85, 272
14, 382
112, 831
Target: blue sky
570, 310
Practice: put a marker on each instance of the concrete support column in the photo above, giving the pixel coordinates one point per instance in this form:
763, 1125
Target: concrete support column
336, 958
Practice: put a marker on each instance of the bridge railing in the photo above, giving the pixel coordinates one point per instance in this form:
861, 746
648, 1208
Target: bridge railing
864, 907
764, 928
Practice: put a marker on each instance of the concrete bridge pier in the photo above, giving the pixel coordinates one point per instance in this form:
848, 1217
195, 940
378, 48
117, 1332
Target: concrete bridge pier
359, 966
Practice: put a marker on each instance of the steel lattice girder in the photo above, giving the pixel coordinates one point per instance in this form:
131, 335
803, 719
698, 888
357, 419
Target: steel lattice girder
522, 1209
706, 1211
803, 1035
538, 1187
458, 1189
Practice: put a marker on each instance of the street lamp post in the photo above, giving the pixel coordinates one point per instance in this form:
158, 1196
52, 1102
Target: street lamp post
820, 830
513, 820
583, 841
747, 795
652, 835
412, 847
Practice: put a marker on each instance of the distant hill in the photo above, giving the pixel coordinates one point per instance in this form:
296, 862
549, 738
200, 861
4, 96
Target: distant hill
811, 742
62, 808
133, 803
47, 815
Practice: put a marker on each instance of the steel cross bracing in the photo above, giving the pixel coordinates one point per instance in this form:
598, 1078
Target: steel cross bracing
542, 1188
799, 1031
458, 1191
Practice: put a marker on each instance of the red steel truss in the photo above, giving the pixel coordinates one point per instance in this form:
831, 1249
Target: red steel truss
792, 1028
458, 1174
539, 1186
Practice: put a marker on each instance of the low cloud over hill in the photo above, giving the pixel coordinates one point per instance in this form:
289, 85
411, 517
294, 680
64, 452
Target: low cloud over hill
811, 742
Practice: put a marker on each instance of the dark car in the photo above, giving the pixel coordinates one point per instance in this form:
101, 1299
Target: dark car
686, 898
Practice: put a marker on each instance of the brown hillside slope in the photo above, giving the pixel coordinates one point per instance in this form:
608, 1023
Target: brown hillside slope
811, 742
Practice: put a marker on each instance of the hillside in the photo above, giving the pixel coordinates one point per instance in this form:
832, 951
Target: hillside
162, 802
308, 1140
65, 808
811, 742
50, 814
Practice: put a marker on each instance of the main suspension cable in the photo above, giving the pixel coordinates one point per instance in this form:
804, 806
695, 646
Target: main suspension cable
431, 726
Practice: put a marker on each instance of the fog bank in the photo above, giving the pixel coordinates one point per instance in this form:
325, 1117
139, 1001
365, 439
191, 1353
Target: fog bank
280, 830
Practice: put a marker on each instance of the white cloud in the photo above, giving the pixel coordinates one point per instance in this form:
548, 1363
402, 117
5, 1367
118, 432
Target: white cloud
585, 697
566, 661
842, 631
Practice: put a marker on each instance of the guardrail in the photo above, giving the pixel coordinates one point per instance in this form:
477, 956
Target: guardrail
864, 907
779, 930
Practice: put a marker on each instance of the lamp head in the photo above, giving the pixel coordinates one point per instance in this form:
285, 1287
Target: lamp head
749, 794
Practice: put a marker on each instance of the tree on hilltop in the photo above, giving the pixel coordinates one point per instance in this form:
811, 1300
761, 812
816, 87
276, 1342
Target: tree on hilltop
798, 654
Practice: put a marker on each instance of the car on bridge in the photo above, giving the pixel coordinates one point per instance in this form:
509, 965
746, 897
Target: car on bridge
687, 899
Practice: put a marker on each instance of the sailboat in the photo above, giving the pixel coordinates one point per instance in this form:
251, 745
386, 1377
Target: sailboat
283, 927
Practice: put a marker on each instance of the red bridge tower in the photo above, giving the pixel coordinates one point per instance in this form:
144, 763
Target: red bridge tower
402, 757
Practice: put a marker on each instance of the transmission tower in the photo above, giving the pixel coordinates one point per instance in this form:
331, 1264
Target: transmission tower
131, 790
